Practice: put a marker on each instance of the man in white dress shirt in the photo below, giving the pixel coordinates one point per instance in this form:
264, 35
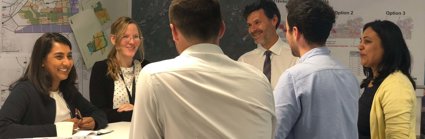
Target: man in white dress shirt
263, 18
201, 93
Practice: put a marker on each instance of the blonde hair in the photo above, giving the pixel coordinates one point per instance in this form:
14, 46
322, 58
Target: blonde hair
118, 28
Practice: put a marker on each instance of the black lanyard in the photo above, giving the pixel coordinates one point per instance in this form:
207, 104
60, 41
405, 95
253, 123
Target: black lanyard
130, 97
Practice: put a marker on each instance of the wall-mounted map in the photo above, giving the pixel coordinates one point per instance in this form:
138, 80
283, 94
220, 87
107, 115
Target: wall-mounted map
91, 28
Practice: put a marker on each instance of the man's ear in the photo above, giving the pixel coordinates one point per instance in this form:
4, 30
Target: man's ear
222, 30
174, 32
296, 33
274, 21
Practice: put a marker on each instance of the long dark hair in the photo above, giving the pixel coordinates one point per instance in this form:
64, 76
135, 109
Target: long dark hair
396, 54
38, 76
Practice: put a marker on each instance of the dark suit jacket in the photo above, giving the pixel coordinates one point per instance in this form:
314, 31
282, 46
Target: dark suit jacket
102, 92
26, 114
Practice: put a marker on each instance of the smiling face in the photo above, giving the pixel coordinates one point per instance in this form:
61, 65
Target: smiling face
262, 29
129, 43
58, 62
371, 50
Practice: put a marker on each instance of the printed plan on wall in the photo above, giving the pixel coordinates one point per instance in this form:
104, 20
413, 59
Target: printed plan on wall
23, 21
91, 28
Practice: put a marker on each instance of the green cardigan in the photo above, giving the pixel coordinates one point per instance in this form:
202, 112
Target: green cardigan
392, 115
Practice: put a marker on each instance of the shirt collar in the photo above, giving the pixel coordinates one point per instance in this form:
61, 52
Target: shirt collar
313, 52
276, 47
202, 48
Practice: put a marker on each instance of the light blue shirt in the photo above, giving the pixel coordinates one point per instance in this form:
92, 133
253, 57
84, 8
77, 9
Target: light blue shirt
317, 99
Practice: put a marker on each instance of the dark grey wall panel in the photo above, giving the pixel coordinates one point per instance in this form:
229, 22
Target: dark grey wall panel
152, 16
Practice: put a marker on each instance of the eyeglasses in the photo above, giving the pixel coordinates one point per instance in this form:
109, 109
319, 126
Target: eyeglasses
134, 38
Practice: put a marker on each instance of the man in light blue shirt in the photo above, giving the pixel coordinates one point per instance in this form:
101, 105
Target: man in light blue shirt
316, 98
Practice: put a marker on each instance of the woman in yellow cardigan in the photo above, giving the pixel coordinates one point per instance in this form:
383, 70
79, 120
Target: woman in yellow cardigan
387, 106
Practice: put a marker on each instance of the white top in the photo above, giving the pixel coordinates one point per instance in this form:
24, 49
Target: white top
202, 94
120, 93
62, 110
281, 59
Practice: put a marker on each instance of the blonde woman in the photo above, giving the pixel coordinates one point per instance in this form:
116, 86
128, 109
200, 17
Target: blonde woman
112, 81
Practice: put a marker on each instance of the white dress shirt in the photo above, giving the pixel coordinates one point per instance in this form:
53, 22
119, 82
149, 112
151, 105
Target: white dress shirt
281, 59
202, 93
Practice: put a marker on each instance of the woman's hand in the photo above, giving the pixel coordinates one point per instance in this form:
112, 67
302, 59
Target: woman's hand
87, 123
125, 107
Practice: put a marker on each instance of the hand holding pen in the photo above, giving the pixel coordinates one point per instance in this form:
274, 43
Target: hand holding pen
77, 118
86, 123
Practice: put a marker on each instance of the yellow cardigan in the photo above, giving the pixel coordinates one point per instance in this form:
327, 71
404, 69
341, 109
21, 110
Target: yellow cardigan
392, 115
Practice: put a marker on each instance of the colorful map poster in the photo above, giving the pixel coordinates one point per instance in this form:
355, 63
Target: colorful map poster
92, 26
91, 40
34, 16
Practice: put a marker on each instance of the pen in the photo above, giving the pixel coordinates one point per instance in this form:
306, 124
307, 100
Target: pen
78, 114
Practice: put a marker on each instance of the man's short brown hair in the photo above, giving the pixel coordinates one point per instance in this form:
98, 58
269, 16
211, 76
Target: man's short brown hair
196, 19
